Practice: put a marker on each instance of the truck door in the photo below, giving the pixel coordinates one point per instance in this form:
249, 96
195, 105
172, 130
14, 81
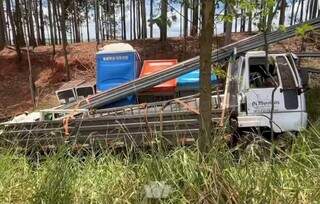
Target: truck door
279, 82
289, 84
261, 85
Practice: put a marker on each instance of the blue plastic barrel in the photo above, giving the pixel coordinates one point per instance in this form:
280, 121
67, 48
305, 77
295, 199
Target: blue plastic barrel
191, 81
115, 68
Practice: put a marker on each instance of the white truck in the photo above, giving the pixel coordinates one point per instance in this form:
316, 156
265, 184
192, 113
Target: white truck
269, 98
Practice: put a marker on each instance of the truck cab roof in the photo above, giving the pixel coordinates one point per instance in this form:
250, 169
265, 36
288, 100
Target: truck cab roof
263, 53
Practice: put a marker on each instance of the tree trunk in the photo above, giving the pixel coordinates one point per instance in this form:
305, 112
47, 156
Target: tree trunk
138, 19
185, 19
228, 24
250, 23
18, 23
51, 24
181, 20
2, 27
64, 38
114, 20
9, 40
51, 29
313, 11
308, 10
144, 20
31, 81
96, 9
55, 22
105, 26
151, 18
32, 38
205, 133
121, 19
282, 12
292, 11
134, 19
87, 21
163, 18
296, 14
302, 9
76, 22
124, 20
195, 18
130, 19
36, 18
241, 21
12, 23
43, 37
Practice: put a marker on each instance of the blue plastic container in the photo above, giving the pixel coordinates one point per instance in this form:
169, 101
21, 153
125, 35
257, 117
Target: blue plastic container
191, 81
115, 68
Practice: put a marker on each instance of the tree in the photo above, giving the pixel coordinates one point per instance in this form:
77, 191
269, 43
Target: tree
13, 29
36, 19
151, 19
31, 81
228, 18
96, 13
185, 18
283, 5
55, 23
195, 18
144, 21
123, 19
76, 21
134, 19
64, 37
138, 19
130, 9
205, 106
52, 37
87, 20
29, 22
43, 37
2, 27
19, 31
292, 11
163, 20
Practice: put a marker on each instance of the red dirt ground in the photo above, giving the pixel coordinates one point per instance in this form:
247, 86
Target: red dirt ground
49, 73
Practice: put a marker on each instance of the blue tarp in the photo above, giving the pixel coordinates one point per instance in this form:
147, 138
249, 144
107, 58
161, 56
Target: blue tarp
190, 81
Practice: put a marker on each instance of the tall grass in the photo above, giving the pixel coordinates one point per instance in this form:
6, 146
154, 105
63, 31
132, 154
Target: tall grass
291, 175
244, 174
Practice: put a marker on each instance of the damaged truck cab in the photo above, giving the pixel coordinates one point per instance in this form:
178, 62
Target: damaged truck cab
268, 92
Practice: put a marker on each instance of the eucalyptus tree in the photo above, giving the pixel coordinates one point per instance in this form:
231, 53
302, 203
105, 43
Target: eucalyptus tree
3, 29
206, 33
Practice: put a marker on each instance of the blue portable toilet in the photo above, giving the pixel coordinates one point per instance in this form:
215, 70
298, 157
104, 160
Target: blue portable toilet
190, 82
117, 64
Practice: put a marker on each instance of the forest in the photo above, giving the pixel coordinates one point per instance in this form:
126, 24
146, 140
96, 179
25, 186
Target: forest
47, 22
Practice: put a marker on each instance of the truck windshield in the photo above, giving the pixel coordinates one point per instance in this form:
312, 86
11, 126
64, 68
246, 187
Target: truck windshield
259, 76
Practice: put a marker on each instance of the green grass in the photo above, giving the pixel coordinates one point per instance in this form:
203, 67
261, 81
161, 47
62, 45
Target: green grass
250, 174
291, 176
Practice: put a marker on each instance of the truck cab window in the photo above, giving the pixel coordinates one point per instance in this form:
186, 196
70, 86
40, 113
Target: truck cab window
287, 77
259, 76
289, 90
